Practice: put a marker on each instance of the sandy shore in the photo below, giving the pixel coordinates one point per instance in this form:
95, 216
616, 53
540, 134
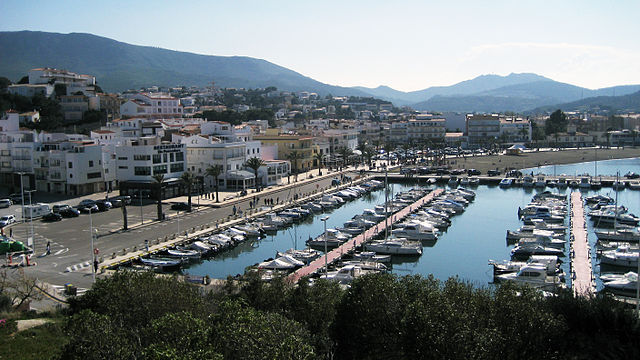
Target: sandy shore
531, 159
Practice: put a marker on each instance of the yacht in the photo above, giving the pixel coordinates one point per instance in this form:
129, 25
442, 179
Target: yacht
348, 273
535, 249
453, 181
250, 229
416, 230
534, 275
539, 224
306, 255
474, 181
551, 263
585, 183
619, 234
622, 256
372, 215
527, 182
562, 183
334, 239
395, 246
285, 262
628, 284
634, 185
464, 181
545, 241
618, 185
371, 256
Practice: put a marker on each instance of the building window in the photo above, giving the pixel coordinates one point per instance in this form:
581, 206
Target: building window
156, 158
142, 157
70, 165
94, 175
171, 157
122, 158
90, 163
159, 169
177, 167
123, 167
164, 158
179, 156
142, 170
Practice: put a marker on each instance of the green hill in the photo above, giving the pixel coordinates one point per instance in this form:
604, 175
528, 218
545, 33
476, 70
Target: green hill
119, 66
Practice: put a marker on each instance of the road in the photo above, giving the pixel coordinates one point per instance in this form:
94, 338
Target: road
69, 260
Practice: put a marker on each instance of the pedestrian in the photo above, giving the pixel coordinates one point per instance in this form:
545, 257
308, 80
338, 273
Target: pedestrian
235, 210
95, 265
48, 247
11, 232
146, 244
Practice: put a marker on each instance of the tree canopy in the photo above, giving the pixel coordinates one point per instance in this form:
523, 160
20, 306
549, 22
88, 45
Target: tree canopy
556, 123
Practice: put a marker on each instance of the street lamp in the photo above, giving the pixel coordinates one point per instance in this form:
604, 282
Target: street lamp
326, 267
91, 250
33, 238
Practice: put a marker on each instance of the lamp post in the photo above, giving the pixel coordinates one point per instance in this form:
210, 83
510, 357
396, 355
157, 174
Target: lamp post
33, 239
141, 218
93, 270
178, 216
326, 266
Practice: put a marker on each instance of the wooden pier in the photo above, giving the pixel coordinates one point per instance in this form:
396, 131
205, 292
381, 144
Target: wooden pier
377, 229
582, 281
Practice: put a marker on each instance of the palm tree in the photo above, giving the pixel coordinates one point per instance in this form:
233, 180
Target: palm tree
319, 158
362, 147
255, 164
344, 152
159, 179
214, 171
294, 156
387, 149
188, 179
368, 153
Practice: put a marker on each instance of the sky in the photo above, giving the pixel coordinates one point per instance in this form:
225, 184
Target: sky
407, 45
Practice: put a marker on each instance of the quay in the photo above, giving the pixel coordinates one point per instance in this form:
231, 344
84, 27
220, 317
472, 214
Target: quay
582, 280
375, 230
605, 181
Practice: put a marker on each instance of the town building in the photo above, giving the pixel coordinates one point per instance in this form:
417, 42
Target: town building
151, 106
286, 143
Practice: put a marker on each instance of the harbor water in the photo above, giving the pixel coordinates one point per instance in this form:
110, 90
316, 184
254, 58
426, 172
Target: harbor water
463, 250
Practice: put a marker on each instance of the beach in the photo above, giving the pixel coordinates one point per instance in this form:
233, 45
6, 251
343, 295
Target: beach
541, 158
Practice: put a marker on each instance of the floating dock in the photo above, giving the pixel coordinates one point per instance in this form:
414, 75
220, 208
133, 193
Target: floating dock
582, 281
373, 231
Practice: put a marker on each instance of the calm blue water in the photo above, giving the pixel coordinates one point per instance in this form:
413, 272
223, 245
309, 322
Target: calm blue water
463, 250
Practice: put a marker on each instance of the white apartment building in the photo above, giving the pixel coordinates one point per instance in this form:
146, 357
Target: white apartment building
74, 82
70, 167
514, 129
149, 105
398, 132
10, 121
482, 129
341, 138
16, 156
30, 90
425, 128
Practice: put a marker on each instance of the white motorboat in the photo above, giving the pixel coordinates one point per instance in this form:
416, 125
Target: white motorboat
371, 256
634, 185
622, 256
416, 230
334, 238
536, 233
506, 182
347, 274
285, 262
619, 185
543, 240
272, 220
395, 246
539, 224
464, 181
599, 199
184, 253
540, 182
372, 215
250, 229
534, 275
585, 183
453, 181
306, 255
474, 181
562, 183
614, 276
620, 234
612, 245
202, 247
549, 261
535, 249
162, 264
628, 283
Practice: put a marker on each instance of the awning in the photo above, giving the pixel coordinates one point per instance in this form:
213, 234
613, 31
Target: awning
238, 175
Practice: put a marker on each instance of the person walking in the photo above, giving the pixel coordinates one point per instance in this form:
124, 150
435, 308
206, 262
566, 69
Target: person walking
146, 244
235, 210
48, 247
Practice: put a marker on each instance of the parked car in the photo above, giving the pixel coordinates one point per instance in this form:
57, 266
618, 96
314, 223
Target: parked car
86, 208
17, 198
126, 199
6, 220
335, 182
104, 205
493, 172
86, 202
69, 212
59, 207
472, 172
181, 206
52, 217
5, 203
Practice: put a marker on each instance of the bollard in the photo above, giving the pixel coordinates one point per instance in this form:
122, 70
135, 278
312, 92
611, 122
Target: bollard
124, 251
113, 256
135, 248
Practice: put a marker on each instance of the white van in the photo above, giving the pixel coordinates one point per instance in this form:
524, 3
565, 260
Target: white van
35, 210
5, 203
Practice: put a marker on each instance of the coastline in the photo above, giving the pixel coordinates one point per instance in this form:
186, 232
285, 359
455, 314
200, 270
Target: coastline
532, 159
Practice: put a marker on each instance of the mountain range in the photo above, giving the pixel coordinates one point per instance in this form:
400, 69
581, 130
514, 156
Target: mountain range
120, 66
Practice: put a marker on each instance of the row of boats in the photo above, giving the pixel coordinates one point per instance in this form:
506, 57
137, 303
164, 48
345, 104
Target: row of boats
405, 238
539, 244
585, 182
